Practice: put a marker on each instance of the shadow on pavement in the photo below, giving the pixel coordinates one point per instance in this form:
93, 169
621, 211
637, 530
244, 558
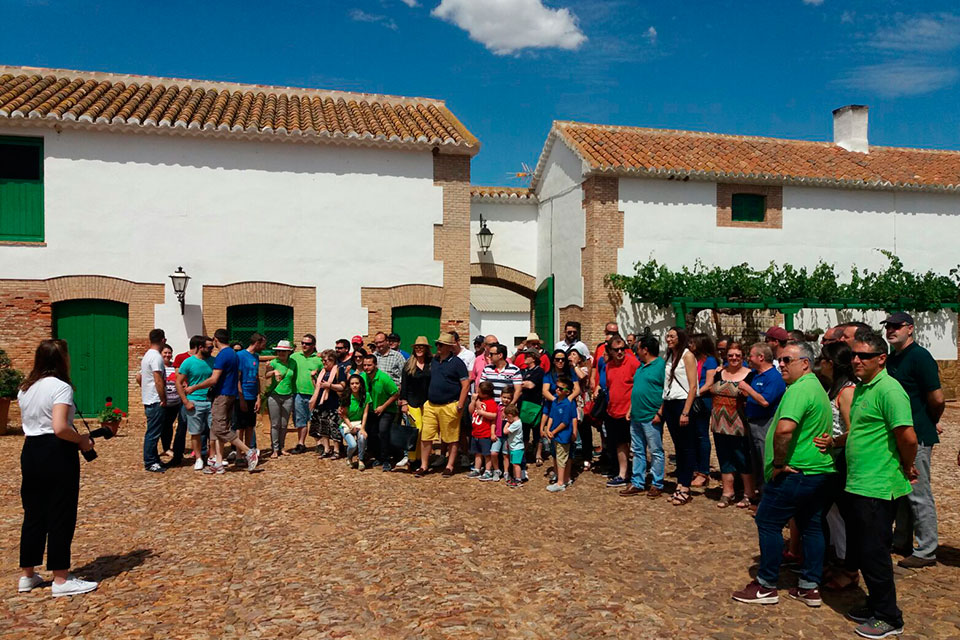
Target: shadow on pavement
111, 566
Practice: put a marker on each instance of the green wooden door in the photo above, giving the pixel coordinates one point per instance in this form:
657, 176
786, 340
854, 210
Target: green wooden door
543, 312
96, 335
416, 320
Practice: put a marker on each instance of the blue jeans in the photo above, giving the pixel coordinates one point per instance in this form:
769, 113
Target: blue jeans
301, 410
646, 436
356, 444
152, 436
801, 497
703, 444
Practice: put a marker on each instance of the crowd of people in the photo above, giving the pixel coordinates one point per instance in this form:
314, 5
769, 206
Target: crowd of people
833, 440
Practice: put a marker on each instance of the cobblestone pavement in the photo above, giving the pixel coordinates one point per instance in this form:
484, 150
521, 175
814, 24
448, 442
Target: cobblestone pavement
308, 548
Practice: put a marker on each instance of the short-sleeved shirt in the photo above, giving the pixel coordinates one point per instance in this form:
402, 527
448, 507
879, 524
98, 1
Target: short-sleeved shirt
249, 370
509, 376
194, 371
446, 378
521, 361
483, 427
355, 410
306, 365
479, 364
916, 371
620, 385
467, 356
647, 394
806, 403
228, 365
578, 345
874, 467
391, 363
771, 386
534, 375
170, 386
36, 405
151, 362
286, 386
177, 361
563, 412
380, 389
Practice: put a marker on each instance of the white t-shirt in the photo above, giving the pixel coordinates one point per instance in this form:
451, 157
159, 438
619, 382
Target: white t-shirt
468, 357
152, 361
36, 405
578, 345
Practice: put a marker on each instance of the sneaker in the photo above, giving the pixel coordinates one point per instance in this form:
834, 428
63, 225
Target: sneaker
756, 593
486, 477
809, 597
29, 584
231, 456
210, 469
553, 488
874, 628
253, 457
524, 477
198, 465
211, 462
404, 461
860, 614
156, 467
72, 587
616, 482
473, 473
221, 469
497, 475
361, 466
913, 562
386, 467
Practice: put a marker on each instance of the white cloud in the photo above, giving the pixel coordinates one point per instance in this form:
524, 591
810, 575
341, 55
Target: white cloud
506, 26
814, 3
847, 17
899, 78
651, 35
362, 16
934, 32
411, 3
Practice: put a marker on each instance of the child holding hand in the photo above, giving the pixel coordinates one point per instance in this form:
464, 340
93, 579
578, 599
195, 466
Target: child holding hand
562, 430
482, 434
514, 446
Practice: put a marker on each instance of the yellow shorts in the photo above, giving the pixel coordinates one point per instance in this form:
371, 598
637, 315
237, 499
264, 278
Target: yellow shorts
440, 421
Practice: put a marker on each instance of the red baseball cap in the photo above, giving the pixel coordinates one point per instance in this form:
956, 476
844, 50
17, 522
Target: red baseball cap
777, 333
356, 340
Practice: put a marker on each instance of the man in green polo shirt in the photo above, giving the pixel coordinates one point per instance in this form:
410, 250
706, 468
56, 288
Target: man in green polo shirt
798, 477
382, 395
308, 363
880, 450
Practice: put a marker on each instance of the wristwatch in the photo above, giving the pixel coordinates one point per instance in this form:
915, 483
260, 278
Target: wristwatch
779, 466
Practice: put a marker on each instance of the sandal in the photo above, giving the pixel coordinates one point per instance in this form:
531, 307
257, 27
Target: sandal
726, 501
700, 480
539, 461
744, 503
680, 498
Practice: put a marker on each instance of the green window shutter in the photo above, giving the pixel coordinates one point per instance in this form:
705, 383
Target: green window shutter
543, 312
416, 320
748, 207
21, 189
275, 321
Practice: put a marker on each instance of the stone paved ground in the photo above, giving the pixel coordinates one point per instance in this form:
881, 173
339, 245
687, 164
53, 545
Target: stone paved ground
308, 548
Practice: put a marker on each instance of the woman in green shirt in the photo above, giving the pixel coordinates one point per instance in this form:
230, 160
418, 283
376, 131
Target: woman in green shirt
280, 375
354, 408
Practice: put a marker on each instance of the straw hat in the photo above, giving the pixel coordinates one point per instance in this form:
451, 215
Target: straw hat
283, 345
533, 337
422, 340
447, 339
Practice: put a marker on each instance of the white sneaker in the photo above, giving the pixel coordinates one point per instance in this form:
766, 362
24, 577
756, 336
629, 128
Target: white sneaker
253, 457
29, 584
211, 462
403, 463
198, 465
72, 587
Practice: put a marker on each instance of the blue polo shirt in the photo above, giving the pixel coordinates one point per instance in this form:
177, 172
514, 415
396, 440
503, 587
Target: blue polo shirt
771, 386
228, 364
249, 368
445, 378
563, 412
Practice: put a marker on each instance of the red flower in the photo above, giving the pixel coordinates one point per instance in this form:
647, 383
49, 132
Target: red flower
109, 404
124, 413
117, 411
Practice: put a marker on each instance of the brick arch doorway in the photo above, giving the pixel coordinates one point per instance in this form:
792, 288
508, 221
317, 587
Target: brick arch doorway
501, 302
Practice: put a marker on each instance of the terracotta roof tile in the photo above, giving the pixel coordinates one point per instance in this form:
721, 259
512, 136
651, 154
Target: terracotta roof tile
717, 157
518, 195
161, 104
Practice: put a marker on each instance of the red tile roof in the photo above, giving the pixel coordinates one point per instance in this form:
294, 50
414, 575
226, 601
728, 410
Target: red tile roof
718, 158
512, 194
31, 96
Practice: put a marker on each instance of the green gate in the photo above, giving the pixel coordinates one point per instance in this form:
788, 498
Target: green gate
543, 313
413, 321
275, 321
96, 335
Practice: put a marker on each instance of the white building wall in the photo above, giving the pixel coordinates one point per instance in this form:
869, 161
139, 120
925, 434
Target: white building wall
561, 229
138, 206
515, 240
507, 326
675, 222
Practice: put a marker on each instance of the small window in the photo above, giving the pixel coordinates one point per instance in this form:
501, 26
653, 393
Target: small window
275, 321
748, 207
21, 189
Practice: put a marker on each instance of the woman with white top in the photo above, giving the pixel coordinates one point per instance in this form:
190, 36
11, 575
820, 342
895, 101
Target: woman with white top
679, 391
50, 467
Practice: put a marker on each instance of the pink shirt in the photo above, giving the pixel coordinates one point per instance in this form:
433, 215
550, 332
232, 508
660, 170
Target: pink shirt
478, 366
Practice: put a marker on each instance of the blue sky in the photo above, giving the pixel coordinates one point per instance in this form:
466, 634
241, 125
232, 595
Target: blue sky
508, 68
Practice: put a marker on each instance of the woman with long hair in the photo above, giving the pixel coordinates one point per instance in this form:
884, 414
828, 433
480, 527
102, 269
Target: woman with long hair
729, 426
354, 409
356, 362
414, 383
836, 375
50, 468
558, 369
679, 392
707, 360
324, 406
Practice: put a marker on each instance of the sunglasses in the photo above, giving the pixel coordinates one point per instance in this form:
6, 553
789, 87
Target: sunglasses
559, 359
786, 360
866, 355
563, 389
618, 349
307, 344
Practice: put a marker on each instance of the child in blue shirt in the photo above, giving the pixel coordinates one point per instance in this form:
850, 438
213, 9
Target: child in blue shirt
562, 430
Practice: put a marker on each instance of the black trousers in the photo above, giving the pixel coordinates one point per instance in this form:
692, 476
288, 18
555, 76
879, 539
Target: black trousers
870, 531
170, 414
49, 491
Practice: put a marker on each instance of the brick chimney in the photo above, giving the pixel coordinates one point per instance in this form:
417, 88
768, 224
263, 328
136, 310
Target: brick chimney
850, 128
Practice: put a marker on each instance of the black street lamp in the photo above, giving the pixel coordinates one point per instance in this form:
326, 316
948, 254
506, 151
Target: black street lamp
180, 279
485, 236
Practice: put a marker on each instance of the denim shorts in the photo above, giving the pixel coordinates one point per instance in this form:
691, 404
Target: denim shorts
301, 410
198, 420
480, 445
499, 445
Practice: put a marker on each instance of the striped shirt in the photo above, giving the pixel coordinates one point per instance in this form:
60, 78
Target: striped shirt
391, 363
501, 378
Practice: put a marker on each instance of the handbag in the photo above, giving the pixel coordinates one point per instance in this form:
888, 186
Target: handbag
699, 408
404, 436
598, 406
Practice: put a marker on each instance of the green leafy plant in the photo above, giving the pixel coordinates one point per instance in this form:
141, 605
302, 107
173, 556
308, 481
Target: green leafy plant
890, 288
110, 413
10, 378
